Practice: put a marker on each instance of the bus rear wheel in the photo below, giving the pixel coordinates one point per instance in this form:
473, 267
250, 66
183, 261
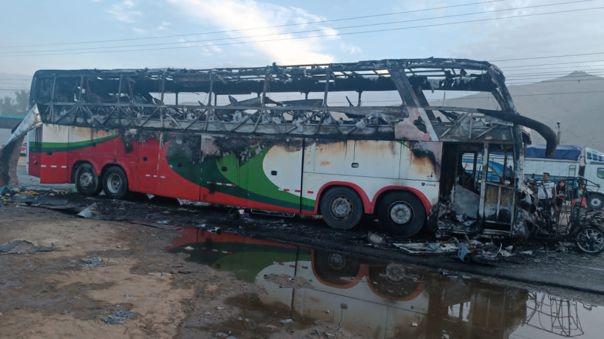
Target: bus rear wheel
341, 208
86, 181
115, 183
401, 213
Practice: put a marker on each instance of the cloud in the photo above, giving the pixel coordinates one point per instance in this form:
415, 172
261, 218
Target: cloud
125, 11
257, 22
164, 25
350, 49
210, 49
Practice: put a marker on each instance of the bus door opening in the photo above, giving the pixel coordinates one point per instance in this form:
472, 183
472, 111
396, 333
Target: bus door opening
460, 179
497, 186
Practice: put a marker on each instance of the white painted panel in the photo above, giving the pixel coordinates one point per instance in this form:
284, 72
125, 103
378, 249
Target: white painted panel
420, 161
282, 165
377, 158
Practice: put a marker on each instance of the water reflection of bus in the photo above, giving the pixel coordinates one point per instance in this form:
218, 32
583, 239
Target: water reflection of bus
380, 299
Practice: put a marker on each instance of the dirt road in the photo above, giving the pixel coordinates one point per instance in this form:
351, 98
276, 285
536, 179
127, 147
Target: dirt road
153, 274
98, 268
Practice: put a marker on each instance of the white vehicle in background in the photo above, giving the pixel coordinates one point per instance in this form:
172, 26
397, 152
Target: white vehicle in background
569, 162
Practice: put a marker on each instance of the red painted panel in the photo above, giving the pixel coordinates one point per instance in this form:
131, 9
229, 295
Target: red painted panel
152, 175
54, 168
34, 164
170, 183
144, 171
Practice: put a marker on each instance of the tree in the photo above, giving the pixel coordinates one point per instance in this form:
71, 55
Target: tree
15, 106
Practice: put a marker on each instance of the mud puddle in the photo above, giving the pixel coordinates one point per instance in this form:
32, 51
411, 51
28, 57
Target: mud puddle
299, 284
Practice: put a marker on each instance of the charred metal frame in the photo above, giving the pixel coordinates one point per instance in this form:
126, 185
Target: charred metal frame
295, 118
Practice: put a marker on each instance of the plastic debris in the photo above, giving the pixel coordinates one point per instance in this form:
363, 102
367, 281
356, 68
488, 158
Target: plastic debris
23, 247
505, 253
286, 321
463, 252
118, 317
92, 262
427, 248
88, 212
375, 238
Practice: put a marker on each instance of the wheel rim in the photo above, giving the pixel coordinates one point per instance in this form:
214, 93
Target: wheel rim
400, 212
590, 240
595, 202
114, 183
341, 207
336, 261
395, 272
86, 179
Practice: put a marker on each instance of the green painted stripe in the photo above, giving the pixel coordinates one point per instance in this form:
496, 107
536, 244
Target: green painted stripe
250, 180
262, 187
66, 146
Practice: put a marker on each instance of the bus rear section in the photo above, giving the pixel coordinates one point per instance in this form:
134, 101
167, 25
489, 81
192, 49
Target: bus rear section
56, 150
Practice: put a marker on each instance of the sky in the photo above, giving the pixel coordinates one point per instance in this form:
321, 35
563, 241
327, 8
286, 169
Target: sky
73, 34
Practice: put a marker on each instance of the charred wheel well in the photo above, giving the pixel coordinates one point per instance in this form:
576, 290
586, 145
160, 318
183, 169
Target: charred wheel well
380, 197
340, 185
111, 164
76, 165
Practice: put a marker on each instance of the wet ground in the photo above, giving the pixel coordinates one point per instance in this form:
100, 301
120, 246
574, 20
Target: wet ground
157, 268
381, 299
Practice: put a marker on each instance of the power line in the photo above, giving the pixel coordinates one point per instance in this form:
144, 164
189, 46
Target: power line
533, 94
569, 63
521, 82
550, 77
552, 73
260, 27
550, 56
178, 43
322, 35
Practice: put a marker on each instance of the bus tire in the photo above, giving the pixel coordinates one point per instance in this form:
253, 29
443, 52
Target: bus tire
341, 208
595, 201
401, 213
335, 268
115, 182
86, 181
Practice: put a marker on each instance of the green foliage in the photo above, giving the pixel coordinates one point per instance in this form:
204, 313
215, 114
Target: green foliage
16, 105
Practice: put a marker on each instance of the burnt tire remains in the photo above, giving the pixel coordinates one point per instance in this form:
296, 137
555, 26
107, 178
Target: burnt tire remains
115, 182
401, 213
86, 181
341, 208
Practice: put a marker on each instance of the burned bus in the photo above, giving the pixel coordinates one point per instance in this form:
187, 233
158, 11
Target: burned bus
339, 140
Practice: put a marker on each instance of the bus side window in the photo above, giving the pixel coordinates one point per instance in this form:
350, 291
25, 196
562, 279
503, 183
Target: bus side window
600, 173
66, 89
571, 170
43, 92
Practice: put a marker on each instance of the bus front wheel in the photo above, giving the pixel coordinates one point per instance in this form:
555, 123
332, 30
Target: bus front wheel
341, 208
401, 213
115, 182
86, 181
